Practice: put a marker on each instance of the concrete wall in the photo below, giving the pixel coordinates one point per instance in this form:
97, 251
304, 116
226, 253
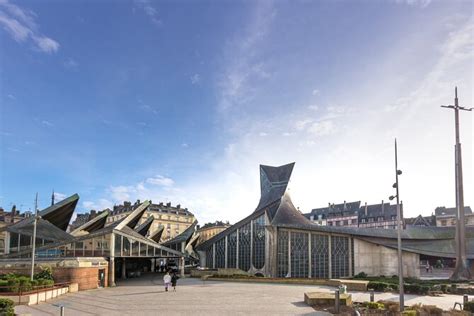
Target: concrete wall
378, 260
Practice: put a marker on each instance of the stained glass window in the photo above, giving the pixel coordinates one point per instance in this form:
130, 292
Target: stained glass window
282, 256
259, 242
319, 256
339, 256
299, 255
220, 253
232, 250
244, 247
209, 261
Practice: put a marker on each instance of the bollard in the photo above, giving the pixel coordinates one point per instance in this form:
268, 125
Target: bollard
61, 310
372, 299
337, 302
465, 300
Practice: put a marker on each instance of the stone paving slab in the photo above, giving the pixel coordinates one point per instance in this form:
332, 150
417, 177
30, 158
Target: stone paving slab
146, 296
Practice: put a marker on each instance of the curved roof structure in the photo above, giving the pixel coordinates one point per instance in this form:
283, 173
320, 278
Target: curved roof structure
93, 225
275, 201
156, 234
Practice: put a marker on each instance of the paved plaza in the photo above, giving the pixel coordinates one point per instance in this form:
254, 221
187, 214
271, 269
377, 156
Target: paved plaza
146, 296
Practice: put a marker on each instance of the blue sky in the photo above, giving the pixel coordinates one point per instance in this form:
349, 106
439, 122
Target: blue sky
181, 101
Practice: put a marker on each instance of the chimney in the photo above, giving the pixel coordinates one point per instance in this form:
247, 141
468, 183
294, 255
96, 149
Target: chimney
344, 204
13, 213
168, 204
382, 207
178, 206
365, 209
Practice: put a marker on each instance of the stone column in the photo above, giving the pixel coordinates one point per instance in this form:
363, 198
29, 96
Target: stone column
225, 265
237, 251
153, 263
112, 271
329, 258
289, 254
124, 269
310, 259
213, 255
350, 257
181, 266
251, 246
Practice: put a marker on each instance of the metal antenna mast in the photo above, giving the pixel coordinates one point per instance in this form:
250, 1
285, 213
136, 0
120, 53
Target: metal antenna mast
461, 271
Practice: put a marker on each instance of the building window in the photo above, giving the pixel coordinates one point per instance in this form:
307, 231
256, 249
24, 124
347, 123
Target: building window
299, 255
282, 256
319, 256
259, 242
346, 222
443, 222
244, 247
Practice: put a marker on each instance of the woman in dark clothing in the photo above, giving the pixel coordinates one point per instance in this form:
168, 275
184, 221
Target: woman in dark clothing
174, 280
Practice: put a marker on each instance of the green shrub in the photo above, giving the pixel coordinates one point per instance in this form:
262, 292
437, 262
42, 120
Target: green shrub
46, 273
19, 283
7, 307
378, 286
410, 313
469, 306
360, 275
374, 305
3, 284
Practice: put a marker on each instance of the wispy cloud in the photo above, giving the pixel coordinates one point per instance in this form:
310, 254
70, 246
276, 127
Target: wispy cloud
149, 10
243, 65
161, 181
418, 3
47, 123
21, 25
195, 79
70, 63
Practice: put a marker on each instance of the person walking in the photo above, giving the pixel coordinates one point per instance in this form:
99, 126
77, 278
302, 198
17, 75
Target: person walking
167, 280
174, 280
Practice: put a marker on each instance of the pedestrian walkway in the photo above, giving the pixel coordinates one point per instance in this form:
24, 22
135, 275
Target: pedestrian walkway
146, 296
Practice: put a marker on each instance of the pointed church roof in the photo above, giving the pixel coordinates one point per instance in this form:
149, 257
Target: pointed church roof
58, 214
288, 216
93, 225
273, 183
145, 226
156, 235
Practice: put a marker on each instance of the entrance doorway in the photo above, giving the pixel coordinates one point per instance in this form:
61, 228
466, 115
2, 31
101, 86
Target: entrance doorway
101, 278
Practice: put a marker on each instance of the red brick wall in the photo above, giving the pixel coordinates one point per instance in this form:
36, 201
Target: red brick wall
86, 278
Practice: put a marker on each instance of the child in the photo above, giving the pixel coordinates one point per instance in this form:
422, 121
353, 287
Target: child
167, 280
174, 279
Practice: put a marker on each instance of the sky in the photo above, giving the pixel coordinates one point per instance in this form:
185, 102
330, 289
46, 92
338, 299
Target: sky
181, 101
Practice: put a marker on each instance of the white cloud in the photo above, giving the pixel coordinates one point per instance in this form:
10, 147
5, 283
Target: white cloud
322, 128
59, 196
185, 145
195, 79
315, 92
418, 3
47, 123
149, 10
161, 181
263, 134
70, 63
313, 107
21, 25
100, 205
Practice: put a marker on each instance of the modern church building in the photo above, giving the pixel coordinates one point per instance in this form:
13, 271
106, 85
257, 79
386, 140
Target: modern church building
277, 240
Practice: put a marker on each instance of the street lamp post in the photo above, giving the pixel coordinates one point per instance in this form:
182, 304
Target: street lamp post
33, 248
399, 232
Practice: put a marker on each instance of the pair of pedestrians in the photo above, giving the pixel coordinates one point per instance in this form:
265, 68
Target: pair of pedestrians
170, 280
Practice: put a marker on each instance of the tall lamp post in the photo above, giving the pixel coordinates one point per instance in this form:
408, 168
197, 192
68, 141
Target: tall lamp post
461, 271
399, 231
33, 248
